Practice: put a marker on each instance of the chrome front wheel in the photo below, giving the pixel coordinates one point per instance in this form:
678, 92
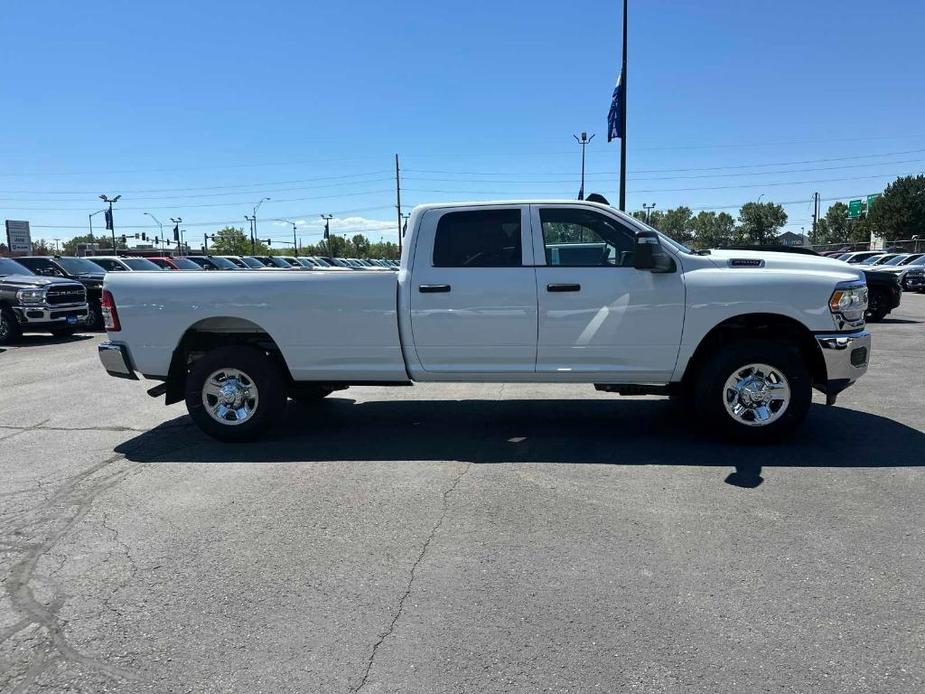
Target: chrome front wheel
230, 396
756, 395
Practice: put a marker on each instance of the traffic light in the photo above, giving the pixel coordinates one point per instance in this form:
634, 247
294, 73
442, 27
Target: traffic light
144, 236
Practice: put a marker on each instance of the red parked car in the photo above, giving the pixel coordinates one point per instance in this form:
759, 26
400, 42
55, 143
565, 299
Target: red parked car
169, 263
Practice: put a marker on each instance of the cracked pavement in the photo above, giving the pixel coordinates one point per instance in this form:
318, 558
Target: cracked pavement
456, 538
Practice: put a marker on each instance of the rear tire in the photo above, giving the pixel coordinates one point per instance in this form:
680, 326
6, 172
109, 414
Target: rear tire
9, 327
235, 393
753, 391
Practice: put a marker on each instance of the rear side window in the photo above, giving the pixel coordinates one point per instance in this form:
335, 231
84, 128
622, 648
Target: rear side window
480, 238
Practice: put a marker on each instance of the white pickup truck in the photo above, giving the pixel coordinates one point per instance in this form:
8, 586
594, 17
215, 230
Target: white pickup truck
554, 292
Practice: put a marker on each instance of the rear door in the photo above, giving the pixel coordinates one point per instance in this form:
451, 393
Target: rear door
597, 313
473, 291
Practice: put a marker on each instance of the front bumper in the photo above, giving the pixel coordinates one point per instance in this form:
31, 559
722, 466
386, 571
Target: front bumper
914, 283
116, 361
54, 316
846, 357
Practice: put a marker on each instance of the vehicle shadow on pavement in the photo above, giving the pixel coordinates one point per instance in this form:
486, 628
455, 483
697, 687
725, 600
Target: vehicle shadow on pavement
642, 432
45, 340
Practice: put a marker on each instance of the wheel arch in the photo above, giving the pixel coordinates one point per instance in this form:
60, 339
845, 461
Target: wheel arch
217, 331
770, 326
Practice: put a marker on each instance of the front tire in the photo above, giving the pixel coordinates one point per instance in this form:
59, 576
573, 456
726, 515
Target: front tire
754, 391
877, 307
235, 394
9, 327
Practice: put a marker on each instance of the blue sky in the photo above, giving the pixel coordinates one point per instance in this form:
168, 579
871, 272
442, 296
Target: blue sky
199, 109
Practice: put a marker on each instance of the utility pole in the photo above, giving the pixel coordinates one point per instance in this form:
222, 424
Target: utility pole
327, 232
583, 141
815, 215
648, 209
623, 113
110, 225
398, 201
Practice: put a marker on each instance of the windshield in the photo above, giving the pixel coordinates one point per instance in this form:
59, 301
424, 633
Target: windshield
252, 263
898, 260
11, 267
108, 264
911, 259
223, 263
186, 264
79, 266
278, 262
237, 262
872, 260
141, 264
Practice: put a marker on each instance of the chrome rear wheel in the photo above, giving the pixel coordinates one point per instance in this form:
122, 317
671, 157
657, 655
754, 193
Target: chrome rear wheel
230, 396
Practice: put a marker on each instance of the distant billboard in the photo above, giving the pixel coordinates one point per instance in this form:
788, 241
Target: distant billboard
18, 237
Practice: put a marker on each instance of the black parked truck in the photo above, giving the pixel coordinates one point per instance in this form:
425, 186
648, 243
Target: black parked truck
90, 275
29, 303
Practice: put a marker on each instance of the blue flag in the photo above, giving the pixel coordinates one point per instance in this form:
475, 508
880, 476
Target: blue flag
615, 117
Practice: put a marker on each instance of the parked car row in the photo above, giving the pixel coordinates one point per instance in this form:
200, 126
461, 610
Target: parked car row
269, 262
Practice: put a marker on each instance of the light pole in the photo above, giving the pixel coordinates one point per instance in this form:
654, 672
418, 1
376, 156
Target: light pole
583, 141
404, 227
254, 222
109, 221
327, 232
161, 226
295, 244
90, 216
648, 209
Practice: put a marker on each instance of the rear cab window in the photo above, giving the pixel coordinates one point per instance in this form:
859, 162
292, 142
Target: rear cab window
479, 238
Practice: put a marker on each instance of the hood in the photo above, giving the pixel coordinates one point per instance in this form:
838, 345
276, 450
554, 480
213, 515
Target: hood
794, 262
21, 281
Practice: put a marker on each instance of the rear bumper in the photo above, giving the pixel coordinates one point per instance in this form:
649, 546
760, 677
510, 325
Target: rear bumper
846, 358
116, 361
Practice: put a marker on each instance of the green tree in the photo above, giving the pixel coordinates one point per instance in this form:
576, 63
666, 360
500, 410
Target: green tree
233, 241
69, 247
713, 230
759, 222
900, 212
676, 223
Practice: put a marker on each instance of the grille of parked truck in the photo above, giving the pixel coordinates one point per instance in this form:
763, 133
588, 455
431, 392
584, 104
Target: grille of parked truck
529, 291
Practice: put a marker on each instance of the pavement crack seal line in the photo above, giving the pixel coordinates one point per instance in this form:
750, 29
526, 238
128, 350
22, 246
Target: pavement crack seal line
70, 503
401, 602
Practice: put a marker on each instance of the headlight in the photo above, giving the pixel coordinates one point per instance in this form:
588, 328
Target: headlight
31, 296
849, 301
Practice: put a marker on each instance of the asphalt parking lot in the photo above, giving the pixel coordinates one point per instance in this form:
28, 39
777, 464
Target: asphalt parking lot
459, 538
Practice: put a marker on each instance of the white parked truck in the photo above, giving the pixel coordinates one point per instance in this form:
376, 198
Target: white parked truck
523, 291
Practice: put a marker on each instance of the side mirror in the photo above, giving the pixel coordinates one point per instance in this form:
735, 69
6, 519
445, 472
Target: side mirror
650, 255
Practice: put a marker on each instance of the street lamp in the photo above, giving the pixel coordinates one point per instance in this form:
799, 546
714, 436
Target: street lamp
161, 226
583, 141
90, 217
254, 222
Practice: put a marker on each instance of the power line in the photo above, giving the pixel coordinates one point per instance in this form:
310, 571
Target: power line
222, 187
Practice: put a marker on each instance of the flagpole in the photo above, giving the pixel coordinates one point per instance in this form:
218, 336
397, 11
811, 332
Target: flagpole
623, 117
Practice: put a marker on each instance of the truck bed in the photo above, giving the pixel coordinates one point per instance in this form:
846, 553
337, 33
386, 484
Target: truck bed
328, 326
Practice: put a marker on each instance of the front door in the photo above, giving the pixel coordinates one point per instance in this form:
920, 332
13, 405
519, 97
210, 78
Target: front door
597, 313
473, 291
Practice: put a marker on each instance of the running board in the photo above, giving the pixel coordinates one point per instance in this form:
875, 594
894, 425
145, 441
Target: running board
633, 388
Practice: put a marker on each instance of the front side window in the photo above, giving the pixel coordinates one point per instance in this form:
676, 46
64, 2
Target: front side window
585, 238
478, 238
41, 266
108, 265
